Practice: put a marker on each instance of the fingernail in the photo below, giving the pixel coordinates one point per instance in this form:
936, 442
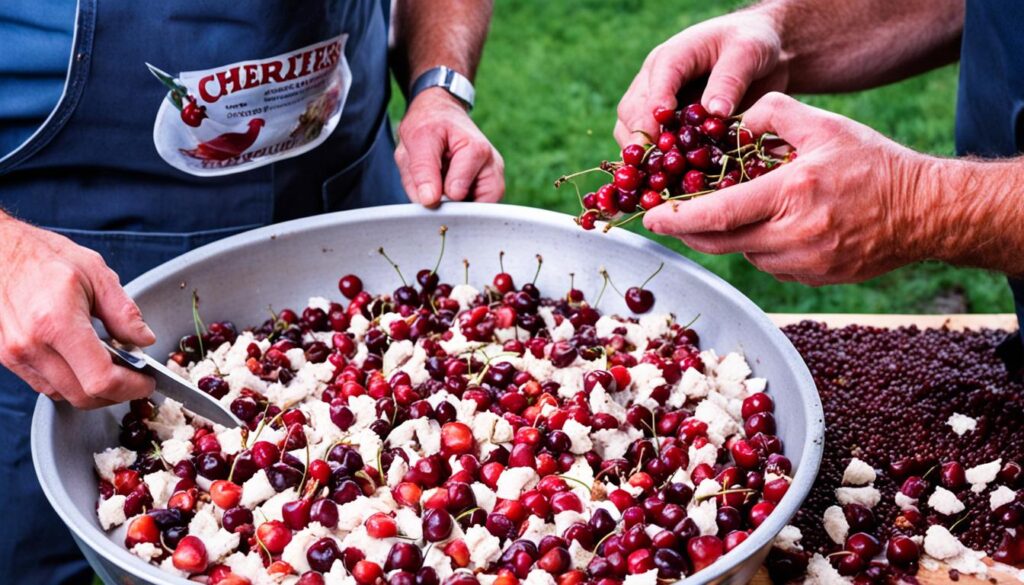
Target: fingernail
425, 194
720, 107
148, 332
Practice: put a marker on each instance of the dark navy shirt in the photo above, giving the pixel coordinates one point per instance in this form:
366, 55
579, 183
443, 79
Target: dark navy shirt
991, 95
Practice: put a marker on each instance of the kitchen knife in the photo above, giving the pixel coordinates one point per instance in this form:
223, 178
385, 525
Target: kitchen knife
174, 386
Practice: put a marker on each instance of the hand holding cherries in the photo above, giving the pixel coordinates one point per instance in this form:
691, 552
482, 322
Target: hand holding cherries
694, 154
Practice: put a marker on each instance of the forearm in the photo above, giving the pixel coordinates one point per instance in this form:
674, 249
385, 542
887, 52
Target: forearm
846, 46
429, 33
973, 211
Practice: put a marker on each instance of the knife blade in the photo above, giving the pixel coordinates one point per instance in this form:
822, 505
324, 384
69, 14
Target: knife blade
174, 386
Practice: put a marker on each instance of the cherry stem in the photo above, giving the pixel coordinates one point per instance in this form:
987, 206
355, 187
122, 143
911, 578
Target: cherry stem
540, 262
649, 278
650, 139
608, 226
393, 265
263, 423
444, 231
465, 271
466, 514
604, 285
692, 321
707, 497
305, 470
959, 522
568, 178
198, 321
609, 278
501, 260
380, 464
573, 479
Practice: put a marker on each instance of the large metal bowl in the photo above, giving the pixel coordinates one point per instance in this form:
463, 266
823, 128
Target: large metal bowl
285, 264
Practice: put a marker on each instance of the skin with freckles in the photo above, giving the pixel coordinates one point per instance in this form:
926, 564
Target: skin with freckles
49, 288
853, 204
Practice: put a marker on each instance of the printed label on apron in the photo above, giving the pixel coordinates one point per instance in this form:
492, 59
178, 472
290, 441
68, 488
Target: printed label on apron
248, 114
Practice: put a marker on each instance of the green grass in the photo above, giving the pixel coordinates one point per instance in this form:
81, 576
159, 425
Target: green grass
548, 86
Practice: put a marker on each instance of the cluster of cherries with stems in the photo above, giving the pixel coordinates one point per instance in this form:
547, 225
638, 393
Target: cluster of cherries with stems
694, 154
654, 532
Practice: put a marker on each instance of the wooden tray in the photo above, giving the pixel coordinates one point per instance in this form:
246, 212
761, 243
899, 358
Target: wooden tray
996, 576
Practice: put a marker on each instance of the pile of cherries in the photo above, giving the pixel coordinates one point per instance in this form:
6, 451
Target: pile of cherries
653, 533
694, 154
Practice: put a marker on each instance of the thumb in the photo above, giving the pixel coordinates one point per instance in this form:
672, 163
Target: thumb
801, 125
425, 150
737, 67
119, 313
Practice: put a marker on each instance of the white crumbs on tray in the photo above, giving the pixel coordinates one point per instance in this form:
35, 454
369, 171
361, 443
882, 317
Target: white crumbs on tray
858, 473
945, 502
961, 423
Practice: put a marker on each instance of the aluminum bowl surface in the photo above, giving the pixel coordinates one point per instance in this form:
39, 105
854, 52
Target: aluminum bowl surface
285, 264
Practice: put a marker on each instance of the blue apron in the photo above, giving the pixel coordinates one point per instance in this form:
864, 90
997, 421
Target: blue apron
990, 102
93, 174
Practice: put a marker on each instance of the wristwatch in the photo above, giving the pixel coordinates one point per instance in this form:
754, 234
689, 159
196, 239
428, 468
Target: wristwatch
452, 81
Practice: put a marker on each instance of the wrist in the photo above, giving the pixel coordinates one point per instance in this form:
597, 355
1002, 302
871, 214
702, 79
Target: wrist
982, 216
437, 97
924, 221
454, 83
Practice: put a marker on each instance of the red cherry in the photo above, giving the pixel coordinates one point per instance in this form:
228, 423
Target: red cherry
664, 115
274, 535
142, 529
755, 403
296, 514
714, 128
456, 438
759, 512
190, 555
192, 113
694, 114
588, 220
650, 199
367, 573
639, 300
225, 494
381, 525
627, 178
320, 470
350, 285
633, 154
704, 550
694, 182
666, 141
902, 551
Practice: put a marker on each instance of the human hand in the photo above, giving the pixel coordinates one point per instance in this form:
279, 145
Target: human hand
441, 151
843, 211
741, 52
48, 290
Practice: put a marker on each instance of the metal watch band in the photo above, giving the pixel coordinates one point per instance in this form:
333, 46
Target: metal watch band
452, 81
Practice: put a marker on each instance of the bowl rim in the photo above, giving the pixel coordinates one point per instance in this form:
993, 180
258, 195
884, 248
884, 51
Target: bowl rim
82, 527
